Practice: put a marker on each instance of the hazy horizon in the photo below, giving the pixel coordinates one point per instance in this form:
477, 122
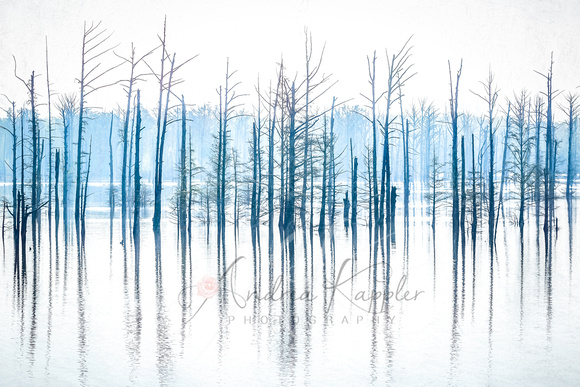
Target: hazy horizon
512, 38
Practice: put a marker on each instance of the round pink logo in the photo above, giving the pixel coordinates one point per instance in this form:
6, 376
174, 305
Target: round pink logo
207, 287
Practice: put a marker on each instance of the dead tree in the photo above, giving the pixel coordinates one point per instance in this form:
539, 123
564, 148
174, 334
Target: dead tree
398, 73
162, 112
354, 188
324, 146
94, 40
503, 169
520, 148
85, 191
111, 175
67, 110
463, 194
291, 197
454, 167
137, 175
490, 98
474, 191
56, 197
14, 134
36, 156
228, 111
571, 111
310, 88
538, 114
49, 144
372, 100
133, 79
331, 170
271, 130
550, 165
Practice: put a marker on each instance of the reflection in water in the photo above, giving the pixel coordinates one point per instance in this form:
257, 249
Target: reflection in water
164, 350
82, 318
146, 304
490, 320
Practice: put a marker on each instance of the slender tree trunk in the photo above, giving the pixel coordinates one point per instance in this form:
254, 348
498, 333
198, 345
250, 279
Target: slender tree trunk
159, 165
111, 173
570, 170
406, 191
463, 195
454, 166
35, 158
183, 173
137, 207
321, 223
354, 193
49, 146
15, 218
537, 167
80, 136
124, 168
56, 198
503, 171
332, 171
253, 216
290, 200
474, 198
160, 128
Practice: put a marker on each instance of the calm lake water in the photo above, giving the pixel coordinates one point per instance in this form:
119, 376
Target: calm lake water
101, 318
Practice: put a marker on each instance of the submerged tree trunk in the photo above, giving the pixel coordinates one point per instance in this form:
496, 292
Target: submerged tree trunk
182, 205
474, 188
56, 198
354, 190
454, 166
537, 167
503, 169
111, 174
463, 195
137, 207
161, 132
49, 146
253, 209
321, 222
406, 190
490, 98
572, 100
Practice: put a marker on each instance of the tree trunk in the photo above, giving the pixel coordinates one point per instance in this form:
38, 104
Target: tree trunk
290, 200
182, 204
503, 170
321, 223
137, 207
111, 174
56, 198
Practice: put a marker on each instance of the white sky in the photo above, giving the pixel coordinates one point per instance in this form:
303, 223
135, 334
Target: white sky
513, 37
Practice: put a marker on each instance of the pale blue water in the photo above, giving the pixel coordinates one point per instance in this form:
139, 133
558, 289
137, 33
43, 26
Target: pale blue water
102, 321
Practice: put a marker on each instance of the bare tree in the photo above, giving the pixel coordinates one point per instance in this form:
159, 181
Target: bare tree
398, 73
14, 134
550, 166
67, 109
162, 122
133, 79
95, 39
137, 176
454, 168
571, 111
520, 148
490, 98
